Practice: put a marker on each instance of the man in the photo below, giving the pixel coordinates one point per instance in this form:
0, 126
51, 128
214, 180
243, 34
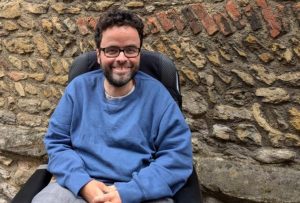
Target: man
117, 135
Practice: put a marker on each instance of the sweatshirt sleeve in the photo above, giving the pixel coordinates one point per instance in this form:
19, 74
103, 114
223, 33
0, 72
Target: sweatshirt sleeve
64, 163
172, 163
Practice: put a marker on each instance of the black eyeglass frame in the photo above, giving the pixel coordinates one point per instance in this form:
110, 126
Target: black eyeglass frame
121, 50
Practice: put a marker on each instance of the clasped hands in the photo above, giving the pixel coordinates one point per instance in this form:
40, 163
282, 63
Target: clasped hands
97, 192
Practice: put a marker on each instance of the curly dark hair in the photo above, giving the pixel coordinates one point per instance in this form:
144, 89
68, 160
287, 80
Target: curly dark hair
118, 17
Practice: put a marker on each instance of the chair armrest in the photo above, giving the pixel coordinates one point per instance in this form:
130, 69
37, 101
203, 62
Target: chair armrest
37, 181
190, 192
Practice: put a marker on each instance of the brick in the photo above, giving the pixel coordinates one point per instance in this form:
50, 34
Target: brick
82, 26
234, 14
152, 25
192, 20
253, 18
177, 20
91, 22
272, 23
207, 21
223, 24
164, 20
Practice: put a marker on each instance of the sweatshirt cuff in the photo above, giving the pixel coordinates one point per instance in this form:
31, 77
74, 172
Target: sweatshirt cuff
129, 192
77, 181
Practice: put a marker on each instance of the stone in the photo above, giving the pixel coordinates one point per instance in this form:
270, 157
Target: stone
29, 120
194, 104
288, 55
29, 105
4, 173
23, 172
248, 181
225, 112
47, 25
42, 46
225, 54
35, 8
31, 89
222, 132
10, 10
57, 66
206, 78
263, 74
61, 80
191, 75
5, 161
37, 76
176, 51
8, 189
135, 4
291, 78
99, 6
246, 77
46, 105
19, 45
20, 89
273, 95
7, 117
15, 62
194, 56
248, 133
22, 140
62, 8
239, 97
26, 22
214, 58
266, 57
70, 25
17, 76
295, 118
224, 77
57, 24
10, 25
275, 136
274, 156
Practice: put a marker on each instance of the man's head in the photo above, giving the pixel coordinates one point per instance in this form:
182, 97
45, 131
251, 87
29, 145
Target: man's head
118, 37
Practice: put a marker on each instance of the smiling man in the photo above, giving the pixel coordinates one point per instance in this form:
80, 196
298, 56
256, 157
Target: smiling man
117, 136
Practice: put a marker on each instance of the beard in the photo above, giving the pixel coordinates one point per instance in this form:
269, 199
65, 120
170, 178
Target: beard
119, 80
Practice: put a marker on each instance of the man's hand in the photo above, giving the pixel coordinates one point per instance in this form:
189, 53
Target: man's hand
94, 189
111, 196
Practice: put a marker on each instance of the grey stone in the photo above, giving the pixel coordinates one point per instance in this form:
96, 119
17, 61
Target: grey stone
194, 103
248, 181
7, 117
22, 140
29, 119
225, 112
248, 133
273, 94
272, 156
222, 132
263, 74
239, 97
246, 77
10, 9
291, 78
29, 105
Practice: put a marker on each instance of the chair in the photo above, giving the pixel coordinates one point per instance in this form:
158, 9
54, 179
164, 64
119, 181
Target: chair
158, 66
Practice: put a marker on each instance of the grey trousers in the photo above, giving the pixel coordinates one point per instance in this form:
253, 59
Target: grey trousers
55, 193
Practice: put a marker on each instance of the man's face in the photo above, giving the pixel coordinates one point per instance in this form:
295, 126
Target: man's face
119, 70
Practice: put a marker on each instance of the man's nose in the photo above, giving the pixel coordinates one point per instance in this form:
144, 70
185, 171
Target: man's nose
121, 56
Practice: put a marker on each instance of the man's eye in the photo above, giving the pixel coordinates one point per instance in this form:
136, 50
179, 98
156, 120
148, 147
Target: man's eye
131, 50
112, 50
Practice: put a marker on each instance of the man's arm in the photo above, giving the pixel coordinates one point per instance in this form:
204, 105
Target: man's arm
64, 162
171, 167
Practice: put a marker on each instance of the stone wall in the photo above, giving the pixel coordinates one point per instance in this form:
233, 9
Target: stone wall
240, 76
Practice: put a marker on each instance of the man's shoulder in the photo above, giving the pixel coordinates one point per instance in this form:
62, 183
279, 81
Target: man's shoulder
87, 77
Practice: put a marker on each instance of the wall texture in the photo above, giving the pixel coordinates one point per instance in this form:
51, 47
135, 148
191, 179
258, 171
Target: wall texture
240, 76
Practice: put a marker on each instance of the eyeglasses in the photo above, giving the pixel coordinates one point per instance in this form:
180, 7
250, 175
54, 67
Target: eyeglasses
129, 52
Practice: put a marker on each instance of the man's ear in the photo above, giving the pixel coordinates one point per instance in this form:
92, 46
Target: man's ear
98, 56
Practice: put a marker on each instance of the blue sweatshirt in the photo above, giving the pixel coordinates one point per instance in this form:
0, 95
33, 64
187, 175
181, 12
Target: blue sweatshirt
140, 143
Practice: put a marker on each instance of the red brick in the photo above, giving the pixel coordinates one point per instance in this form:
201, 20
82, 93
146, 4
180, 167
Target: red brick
283, 12
223, 24
164, 20
296, 9
234, 14
207, 21
273, 25
17, 76
92, 23
192, 20
82, 26
178, 22
152, 25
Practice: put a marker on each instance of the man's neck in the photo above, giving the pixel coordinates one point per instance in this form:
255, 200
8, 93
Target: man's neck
118, 91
